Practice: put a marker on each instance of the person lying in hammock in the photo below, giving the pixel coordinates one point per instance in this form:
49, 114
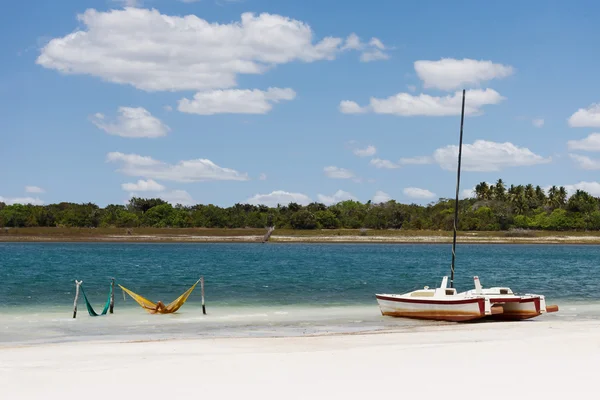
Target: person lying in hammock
160, 308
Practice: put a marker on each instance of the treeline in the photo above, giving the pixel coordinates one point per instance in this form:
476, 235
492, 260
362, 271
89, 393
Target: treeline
494, 207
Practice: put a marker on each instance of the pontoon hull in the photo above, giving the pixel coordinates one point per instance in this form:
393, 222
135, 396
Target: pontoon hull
521, 308
438, 310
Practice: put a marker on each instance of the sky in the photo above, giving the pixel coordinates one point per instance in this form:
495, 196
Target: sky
266, 102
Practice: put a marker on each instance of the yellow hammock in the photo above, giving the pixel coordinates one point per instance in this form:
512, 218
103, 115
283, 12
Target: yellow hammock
159, 307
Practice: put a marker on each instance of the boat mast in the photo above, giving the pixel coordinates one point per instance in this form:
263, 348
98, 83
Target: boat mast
462, 118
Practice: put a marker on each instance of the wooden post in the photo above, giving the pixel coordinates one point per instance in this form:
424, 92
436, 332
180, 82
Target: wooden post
112, 295
202, 291
267, 235
77, 284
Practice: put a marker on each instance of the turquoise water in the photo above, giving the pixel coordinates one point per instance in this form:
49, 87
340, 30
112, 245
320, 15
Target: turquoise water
306, 288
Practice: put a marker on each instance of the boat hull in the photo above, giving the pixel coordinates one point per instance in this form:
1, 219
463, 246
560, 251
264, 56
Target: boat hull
438, 310
521, 308
517, 309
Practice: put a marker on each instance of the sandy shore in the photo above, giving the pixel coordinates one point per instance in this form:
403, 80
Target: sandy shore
528, 360
373, 238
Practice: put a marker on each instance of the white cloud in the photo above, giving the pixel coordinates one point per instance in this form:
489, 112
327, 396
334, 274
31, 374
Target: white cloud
168, 108
338, 173
405, 104
387, 164
370, 150
279, 197
484, 155
157, 52
412, 88
338, 196
372, 51
586, 162
21, 200
235, 101
263, 177
467, 193
178, 197
592, 188
418, 193
538, 122
449, 74
420, 160
351, 107
381, 197
373, 55
590, 143
197, 170
34, 189
149, 185
132, 123
586, 117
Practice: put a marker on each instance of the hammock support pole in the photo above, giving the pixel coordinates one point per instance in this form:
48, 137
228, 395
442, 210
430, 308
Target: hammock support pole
112, 295
77, 284
202, 291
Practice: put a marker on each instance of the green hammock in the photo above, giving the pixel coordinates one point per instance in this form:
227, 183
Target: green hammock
91, 309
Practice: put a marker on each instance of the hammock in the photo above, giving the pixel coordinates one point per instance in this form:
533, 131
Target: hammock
91, 309
160, 308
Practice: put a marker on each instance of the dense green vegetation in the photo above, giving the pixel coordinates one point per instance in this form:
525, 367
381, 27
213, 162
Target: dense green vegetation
493, 208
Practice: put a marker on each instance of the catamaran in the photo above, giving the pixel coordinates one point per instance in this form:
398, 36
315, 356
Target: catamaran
515, 307
445, 304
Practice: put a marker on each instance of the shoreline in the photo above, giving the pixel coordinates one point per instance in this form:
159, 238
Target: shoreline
252, 235
157, 238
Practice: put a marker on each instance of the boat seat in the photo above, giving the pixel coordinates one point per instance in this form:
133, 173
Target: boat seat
422, 294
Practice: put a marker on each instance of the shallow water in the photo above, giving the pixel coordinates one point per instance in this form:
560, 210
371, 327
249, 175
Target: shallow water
266, 290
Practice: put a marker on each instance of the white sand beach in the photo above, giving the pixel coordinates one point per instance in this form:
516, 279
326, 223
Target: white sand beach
538, 359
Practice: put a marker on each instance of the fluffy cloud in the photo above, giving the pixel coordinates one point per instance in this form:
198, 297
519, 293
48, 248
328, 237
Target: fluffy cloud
592, 188
420, 160
351, 107
585, 162
279, 197
449, 74
235, 101
586, 117
387, 164
406, 105
590, 143
197, 170
338, 196
177, 197
132, 123
338, 173
381, 197
21, 200
418, 193
538, 122
157, 52
34, 189
372, 51
366, 152
143, 186
484, 155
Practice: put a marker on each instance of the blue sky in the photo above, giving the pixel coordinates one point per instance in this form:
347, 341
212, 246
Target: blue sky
272, 101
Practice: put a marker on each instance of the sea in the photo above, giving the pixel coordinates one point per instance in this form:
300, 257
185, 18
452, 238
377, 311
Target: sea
271, 289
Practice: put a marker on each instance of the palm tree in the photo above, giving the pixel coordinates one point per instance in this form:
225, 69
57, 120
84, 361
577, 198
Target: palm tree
552, 197
540, 196
499, 191
482, 191
562, 196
